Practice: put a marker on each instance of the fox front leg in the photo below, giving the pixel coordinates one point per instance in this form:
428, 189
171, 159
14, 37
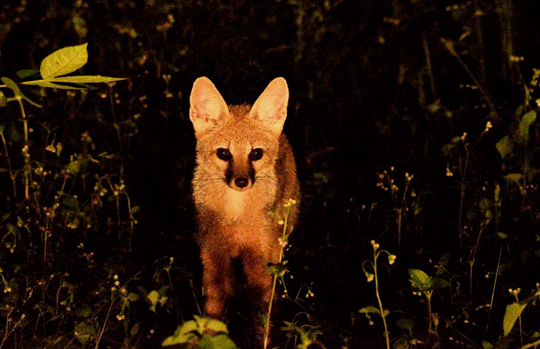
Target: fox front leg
218, 280
259, 280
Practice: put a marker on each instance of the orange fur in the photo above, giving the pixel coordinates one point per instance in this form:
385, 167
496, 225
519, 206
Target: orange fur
235, 195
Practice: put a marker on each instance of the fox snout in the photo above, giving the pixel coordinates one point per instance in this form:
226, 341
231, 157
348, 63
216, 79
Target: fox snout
240, 173
240, 180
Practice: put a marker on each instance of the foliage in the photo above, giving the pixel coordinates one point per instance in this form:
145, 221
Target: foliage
414, 124
203, 332
371, 272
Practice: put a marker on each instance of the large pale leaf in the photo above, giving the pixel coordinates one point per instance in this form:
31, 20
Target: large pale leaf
64, 61
513, 311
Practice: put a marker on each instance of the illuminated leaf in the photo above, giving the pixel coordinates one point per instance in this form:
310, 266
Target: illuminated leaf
64, 61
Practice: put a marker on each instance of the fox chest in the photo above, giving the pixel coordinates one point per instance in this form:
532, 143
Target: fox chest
241, 207
234, 221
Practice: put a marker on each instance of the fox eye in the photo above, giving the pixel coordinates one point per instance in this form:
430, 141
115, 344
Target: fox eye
223, 154
256, 154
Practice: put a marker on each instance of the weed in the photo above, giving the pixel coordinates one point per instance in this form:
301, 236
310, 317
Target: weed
370, 270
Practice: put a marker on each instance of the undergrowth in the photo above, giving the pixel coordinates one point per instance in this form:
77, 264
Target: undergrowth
96, 247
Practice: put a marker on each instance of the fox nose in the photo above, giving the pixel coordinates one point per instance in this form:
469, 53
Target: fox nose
241, 182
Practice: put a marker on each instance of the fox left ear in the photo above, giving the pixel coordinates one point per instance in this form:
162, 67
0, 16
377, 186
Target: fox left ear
207, 106
271, 106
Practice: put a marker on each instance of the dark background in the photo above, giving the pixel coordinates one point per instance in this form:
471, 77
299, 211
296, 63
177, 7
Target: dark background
375, 85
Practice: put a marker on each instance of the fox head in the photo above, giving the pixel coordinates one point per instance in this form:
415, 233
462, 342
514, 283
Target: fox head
238, 144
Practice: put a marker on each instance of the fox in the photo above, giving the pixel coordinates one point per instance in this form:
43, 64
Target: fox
245, 174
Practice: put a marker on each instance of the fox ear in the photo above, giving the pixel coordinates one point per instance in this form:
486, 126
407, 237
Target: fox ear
207, 106
271, 106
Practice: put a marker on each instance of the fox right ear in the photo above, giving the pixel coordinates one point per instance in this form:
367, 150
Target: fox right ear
207, 106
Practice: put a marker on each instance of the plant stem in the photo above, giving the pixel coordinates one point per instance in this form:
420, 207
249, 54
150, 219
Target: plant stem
429, 66
494, 285
10, 169
430, 320
27, 163
274, 281
481, 88
50, 220
462, 196
383, 315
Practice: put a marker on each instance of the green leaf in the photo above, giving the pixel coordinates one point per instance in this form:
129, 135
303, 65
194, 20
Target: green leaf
217, 326
134, 329
12, 86
86, 79
64, 61
183, 334
369, 309
133, 297
419, 278
515, 178
401, 343
189, 326
487, 345
504, 146
17, 91
436, 283
74, 167
83, 311
85, 330
524, 125
26, 73
70, 202
447, 148
220, 341
49, 84
405, 323
513, 311
157, 297
502, 235
3, 100
153, 297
